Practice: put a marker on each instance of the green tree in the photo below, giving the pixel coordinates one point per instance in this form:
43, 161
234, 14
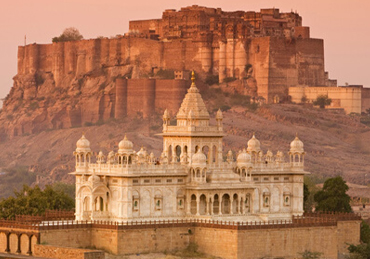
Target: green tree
309, 191
34, 201
361, 251
322, 101
365, 232
69, 34
333, 196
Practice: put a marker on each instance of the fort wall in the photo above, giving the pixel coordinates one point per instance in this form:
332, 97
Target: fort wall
348, 98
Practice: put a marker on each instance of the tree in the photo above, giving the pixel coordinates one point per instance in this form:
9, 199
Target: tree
69, 34
333, 196
322, 101
34, 201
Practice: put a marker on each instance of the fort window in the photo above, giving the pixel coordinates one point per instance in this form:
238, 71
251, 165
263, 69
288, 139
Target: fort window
158, 180
180, 180
135, 202
265, 178
286, 178
158, 202
256, 179
147, 181
169, 181
135, 181
276, 178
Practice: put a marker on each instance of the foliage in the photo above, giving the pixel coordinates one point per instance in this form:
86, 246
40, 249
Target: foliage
34, 201
361, 251
69, 189
333, 196
304, 99
310, 255
229, 79
365, 232
309, 191
69, 34
165, 74
322, 101
14, 179
212, 80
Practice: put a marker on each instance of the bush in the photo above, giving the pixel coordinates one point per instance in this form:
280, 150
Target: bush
229, 79
322, 101
69, 34
212, 80
165, 74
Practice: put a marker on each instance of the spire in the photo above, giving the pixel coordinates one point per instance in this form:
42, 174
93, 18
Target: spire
193, 101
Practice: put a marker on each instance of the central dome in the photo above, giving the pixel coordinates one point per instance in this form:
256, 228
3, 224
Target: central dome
254, 145
83, 145
125, 146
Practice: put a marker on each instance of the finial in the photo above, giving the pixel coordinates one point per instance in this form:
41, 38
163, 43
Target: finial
125, 137
192, 77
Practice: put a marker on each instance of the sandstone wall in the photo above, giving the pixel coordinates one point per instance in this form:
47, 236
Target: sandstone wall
365, 99
348, 98
59, 252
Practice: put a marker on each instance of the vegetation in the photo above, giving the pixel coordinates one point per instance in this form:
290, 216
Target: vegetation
361, 251
310, 255
69, 34
212, 80
13, 179
309, 191
322, 101
34, 201
229, 79
165, 74
333, 196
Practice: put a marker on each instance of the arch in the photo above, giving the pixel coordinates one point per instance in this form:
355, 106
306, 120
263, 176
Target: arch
198, 173
214, 154
169, 153
86, 204
178, 153
225, 204
202, 205
196, 149
235, 204
193, 204
216, 204
206, 150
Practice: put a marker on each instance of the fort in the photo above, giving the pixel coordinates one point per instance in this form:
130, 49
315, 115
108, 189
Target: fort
69, 84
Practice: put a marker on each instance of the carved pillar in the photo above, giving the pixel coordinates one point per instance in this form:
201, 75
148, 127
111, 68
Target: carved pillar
29, 252
219, 205
198, 201
207, 206
231, 205
19, 243
211, 205
241, 210
7, 250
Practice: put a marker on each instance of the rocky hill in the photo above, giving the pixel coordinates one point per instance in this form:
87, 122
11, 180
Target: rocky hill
335, 143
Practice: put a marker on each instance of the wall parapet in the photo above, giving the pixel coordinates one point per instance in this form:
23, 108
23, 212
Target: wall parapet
306, 220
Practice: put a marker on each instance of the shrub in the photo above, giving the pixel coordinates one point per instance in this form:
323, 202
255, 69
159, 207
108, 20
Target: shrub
229, 79
322, 101
69, 34
212, 80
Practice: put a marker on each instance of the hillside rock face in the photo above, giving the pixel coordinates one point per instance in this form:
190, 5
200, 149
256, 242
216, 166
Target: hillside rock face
69, 84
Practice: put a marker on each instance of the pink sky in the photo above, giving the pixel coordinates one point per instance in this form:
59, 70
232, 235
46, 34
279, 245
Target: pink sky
344, 25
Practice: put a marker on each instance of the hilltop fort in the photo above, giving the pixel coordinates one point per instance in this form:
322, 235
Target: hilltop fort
269, 53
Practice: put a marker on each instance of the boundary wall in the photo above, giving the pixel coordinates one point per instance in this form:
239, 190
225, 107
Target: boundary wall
348, 98
328, 234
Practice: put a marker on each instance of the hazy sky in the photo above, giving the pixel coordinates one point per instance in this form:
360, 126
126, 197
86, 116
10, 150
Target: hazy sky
344, 25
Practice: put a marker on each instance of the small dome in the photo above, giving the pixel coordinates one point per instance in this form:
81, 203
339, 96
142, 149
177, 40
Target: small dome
296, 146
269, 153
125, 146
219, 114
199, 158
254, 145
142, 152
243, 158
83, 145
166, 115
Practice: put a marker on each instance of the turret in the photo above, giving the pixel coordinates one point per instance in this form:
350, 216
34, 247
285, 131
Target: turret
219, 119
296, 153
83, 152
